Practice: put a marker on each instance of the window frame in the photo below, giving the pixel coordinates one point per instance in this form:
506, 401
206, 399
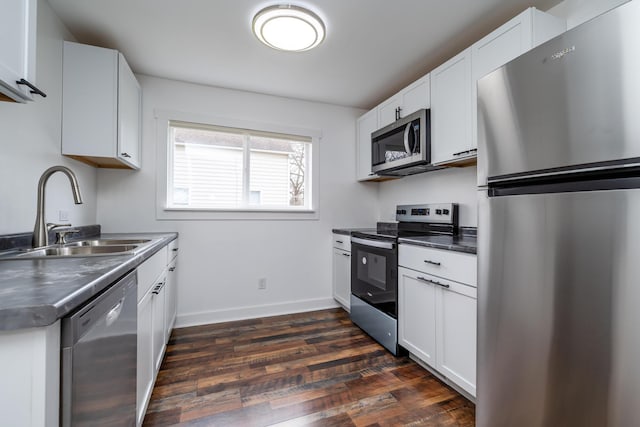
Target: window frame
164, 173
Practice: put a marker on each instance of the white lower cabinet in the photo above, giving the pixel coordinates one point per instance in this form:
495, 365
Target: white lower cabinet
157, 289
342, 269
342, 276
159, 332
145, 371
417, 322
171, 299
437, 321
456, 327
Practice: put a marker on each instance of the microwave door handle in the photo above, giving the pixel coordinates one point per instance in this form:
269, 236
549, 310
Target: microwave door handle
407, 129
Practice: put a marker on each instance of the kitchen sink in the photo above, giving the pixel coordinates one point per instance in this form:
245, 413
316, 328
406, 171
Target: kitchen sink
107, 242
80, 248
73, 251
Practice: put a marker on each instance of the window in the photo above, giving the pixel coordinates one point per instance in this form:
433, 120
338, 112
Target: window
226, 168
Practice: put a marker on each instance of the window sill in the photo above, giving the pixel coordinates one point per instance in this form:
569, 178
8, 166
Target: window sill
186, 214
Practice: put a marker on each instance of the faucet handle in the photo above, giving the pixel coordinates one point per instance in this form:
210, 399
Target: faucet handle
61, 236
52, 225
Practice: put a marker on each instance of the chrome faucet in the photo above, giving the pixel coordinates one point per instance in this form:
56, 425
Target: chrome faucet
40, 231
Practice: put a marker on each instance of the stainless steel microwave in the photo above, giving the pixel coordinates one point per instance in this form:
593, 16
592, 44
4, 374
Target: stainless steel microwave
403, 147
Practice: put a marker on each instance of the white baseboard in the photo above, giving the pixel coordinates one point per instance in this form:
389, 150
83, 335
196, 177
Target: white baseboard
242, 313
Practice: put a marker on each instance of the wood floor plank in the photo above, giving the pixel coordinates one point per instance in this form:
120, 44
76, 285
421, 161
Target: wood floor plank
305, 369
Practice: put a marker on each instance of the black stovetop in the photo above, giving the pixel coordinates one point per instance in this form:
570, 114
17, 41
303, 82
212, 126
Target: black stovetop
395, 230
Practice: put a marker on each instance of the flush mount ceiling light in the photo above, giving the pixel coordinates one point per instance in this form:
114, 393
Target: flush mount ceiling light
288, 27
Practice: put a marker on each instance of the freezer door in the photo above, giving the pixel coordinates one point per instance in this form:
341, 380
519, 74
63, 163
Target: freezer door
558, 309
574, 100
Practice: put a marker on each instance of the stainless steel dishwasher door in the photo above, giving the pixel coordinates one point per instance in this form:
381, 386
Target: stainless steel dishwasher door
99, 356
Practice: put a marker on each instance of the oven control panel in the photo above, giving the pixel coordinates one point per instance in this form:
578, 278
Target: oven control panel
440, 213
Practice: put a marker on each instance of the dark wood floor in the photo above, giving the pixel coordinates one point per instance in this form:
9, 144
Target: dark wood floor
308, 369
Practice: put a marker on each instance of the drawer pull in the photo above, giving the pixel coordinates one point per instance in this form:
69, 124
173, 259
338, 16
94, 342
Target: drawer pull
175, 249
339, 241
343, 254
428, 261
172, 269
433, 282
158, 287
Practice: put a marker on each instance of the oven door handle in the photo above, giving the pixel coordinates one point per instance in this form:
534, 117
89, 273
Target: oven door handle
372, 243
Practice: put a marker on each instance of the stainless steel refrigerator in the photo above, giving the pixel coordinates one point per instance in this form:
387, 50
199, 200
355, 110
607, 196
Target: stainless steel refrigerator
559, 231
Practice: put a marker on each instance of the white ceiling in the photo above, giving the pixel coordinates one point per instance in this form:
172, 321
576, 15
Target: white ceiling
373, 47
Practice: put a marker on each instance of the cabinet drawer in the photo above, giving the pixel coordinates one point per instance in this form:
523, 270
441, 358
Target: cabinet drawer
149, 271
451, 265
340, 241
172, 250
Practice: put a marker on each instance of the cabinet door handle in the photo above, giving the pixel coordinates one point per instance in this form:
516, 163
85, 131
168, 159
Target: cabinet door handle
398, 113
127, 155
34, 89
172, 269
462, 152
433, 282
175, 249
344, 254
428, 261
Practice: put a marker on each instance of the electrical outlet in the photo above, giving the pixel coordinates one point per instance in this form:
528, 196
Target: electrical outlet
63, 215
262, 283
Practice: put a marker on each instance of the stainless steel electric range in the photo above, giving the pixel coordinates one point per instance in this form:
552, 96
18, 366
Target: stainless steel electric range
374, 266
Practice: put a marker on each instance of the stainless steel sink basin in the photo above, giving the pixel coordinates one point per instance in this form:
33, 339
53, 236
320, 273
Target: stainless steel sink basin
72, 251
108, 242
81, 248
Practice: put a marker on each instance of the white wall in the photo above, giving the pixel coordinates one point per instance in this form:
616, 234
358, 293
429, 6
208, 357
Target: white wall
31, 143
222, 260
453, 185
578, 11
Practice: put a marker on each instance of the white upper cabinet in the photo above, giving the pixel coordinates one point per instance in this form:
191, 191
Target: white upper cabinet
519, 35
17, 49
388, 110
101, 108
450, 92
453, 84
416, 96
409, 100
451, 109
365, 126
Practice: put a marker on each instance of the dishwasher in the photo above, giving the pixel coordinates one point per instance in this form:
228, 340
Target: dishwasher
99, 358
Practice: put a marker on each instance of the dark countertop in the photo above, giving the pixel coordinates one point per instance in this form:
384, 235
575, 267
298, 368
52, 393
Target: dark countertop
461, 243
466, 241
348, 231
37, 292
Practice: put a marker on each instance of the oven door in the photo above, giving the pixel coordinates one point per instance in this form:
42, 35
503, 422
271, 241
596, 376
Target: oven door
374, 273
